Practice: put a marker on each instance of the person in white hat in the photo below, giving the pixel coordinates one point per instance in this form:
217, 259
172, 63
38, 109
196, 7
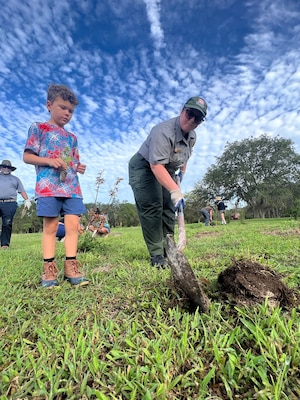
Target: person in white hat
10, 186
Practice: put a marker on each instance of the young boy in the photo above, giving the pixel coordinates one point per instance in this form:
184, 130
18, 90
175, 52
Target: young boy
54, 152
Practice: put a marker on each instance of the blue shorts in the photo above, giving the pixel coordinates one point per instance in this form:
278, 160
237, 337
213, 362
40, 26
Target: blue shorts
55, 206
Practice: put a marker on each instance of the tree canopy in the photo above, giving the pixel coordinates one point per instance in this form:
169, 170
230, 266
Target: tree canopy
263, 172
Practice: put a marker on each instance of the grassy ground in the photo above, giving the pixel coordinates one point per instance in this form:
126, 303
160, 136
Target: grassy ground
127, 336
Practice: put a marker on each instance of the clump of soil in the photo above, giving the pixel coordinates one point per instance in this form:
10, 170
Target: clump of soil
249, 283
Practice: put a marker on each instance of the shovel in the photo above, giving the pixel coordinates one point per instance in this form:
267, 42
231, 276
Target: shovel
180, 220
23, 212
184, 276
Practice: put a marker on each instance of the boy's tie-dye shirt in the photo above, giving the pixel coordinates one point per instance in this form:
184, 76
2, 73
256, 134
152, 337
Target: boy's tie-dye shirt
47, 140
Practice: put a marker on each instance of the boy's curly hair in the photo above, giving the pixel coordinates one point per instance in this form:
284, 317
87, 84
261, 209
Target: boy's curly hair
55, 90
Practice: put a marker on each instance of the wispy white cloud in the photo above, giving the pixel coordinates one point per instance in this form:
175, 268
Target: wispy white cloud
134, 65
153, 8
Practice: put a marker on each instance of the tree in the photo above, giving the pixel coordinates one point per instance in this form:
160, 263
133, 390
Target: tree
128, 215
99, 181
260, 171
112, 208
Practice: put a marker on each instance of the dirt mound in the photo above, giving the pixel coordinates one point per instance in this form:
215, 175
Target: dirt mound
248, 283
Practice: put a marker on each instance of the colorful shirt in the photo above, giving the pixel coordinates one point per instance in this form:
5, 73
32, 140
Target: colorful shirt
51, 141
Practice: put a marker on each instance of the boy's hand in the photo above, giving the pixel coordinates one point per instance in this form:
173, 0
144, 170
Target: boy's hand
57, 163
81, 168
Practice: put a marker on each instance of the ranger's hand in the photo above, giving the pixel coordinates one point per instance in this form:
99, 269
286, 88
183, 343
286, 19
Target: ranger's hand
177, 199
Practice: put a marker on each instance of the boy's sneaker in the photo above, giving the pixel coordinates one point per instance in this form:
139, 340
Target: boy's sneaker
49, 277
158, 261
73, 274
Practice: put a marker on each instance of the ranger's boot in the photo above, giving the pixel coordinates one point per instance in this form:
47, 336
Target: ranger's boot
73, 274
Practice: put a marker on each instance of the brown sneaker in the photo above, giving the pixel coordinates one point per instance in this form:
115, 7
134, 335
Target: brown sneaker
73, 274
49, 277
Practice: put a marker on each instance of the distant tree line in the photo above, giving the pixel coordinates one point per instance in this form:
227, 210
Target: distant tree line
119, 214
261, 173
260, 176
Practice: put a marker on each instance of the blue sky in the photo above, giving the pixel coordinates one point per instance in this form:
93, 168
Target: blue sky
134, 63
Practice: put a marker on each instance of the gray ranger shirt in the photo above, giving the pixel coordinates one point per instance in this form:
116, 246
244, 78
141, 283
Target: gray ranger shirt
167, 145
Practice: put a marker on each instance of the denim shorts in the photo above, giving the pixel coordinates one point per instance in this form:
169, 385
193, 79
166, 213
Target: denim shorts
55, 206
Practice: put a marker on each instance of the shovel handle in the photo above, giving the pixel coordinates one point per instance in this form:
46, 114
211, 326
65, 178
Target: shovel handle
180, 219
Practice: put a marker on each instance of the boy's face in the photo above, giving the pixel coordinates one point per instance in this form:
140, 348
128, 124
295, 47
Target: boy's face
61, 111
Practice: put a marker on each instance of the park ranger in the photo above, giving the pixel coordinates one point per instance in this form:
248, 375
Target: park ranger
152, 174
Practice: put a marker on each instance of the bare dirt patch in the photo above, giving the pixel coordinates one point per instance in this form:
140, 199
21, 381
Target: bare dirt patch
248, 283
290, 232
206, 233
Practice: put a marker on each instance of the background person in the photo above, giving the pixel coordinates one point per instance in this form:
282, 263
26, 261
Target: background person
98, 223
221, 208
10, 186
61, 231
54, 152
207, 213
152, 174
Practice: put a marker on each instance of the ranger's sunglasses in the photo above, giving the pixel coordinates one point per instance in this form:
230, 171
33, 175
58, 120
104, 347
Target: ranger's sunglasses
197, 117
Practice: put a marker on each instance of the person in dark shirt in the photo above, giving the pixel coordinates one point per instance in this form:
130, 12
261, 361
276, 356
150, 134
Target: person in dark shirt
221, 208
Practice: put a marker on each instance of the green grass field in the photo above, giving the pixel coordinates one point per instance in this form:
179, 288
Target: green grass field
128, 336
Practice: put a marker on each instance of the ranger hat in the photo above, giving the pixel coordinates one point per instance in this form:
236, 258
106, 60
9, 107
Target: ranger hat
218, 198
7, 164
198, 103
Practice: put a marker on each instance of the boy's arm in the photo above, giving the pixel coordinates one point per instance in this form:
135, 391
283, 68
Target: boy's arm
29, 157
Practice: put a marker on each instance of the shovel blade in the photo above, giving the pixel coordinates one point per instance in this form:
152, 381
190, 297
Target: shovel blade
184, 276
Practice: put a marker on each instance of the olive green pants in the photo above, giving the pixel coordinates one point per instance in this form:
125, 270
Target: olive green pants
154, 205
